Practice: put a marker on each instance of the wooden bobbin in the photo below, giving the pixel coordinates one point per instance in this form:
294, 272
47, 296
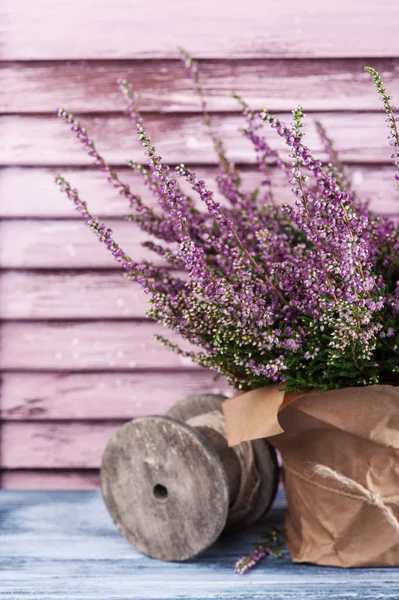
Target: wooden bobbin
168, 486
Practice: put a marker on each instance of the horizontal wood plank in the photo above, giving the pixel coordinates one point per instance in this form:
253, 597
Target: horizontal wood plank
135, 29
75, 445
110, 346
24, 479
164, 85
64, 546
66, 244
67, 295
30, 192
100, 396
43, 141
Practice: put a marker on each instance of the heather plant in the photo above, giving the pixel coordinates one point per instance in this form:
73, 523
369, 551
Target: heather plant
304, 295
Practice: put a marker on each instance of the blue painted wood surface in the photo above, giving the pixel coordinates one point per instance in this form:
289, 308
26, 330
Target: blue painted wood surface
63, 545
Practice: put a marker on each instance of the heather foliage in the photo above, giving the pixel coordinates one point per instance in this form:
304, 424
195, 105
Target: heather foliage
305, 295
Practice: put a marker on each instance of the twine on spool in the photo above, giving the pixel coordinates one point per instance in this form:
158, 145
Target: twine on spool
351, 486
250, 479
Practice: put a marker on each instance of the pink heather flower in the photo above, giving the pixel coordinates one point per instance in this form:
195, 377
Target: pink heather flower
273, 545
245, 563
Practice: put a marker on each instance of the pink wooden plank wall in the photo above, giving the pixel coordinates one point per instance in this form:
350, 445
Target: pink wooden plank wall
76, 356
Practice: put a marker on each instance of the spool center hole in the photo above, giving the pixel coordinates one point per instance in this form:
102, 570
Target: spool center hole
160, 492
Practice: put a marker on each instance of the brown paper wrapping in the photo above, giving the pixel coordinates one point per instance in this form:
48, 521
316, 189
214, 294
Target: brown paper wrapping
355, 433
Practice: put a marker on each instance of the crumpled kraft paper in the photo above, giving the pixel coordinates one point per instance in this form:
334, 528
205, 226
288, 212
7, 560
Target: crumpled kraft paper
352, 432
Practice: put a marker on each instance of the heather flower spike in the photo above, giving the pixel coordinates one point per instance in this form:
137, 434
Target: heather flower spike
304, 294
391, 119
336, 167
264, 153
103, 232
144, 216
192, 67
229, 180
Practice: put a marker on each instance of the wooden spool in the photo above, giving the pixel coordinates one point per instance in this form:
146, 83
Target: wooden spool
168, 486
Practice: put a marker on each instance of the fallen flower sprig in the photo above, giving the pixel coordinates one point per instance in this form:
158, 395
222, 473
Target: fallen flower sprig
272, 545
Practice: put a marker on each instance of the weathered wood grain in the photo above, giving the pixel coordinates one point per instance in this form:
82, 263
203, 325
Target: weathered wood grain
30, 192
164, 86
24, 479
40, 140
100, 396
111, 346
63, 546
44, 30
165, 488
66, 445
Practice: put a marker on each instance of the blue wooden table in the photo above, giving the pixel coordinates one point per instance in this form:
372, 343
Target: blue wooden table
63, 545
